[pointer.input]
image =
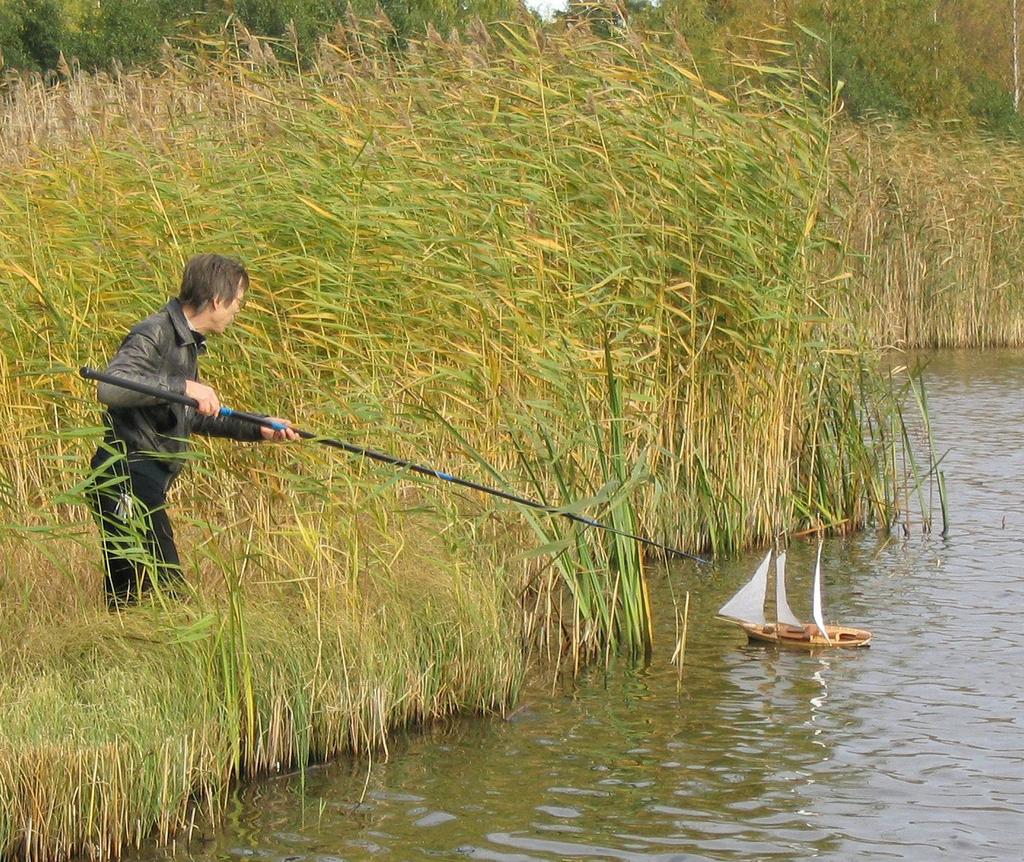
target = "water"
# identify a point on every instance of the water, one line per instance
(910, 749)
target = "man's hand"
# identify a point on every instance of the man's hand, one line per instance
(209, 403)
(287, 433)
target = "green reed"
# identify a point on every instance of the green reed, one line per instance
(424, 226)
(549, 261)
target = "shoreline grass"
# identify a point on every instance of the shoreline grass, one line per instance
(117, 727)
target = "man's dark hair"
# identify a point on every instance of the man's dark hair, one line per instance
(211, 276)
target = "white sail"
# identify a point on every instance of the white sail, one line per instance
(818, 618)
(748, 603)
(783, 613)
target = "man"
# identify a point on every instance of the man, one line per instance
(146, 441)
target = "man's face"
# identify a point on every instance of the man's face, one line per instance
(222, 314)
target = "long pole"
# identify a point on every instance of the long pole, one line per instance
(164, 395)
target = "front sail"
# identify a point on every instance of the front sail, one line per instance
(783, 613)
(819, 620)
(748, 604)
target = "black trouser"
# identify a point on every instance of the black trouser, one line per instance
(129, 498)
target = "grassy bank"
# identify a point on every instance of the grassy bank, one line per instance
(113, 726)
(552, 264)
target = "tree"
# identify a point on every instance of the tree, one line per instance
(896, 56)
(308, 19)
(32, 33)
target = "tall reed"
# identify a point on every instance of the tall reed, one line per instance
(930, 230)
(544, 260)
(425, 225)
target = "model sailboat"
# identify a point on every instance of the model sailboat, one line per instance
(747, 610)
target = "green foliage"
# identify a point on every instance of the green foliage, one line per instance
(898, 53)
(32, 33)
(863, 92)
(688, 17)
(603, 17)
(412, 18)
(12, 53)
(690, 24)
(306, 19)
(923, 59)
(686, 20)
(129, 31)
(992, 105)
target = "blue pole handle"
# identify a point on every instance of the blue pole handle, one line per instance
(266, 423)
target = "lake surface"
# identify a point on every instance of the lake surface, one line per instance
(910, 749)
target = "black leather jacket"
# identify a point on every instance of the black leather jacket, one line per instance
(161, 351)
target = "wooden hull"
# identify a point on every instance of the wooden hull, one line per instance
(807, 637)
